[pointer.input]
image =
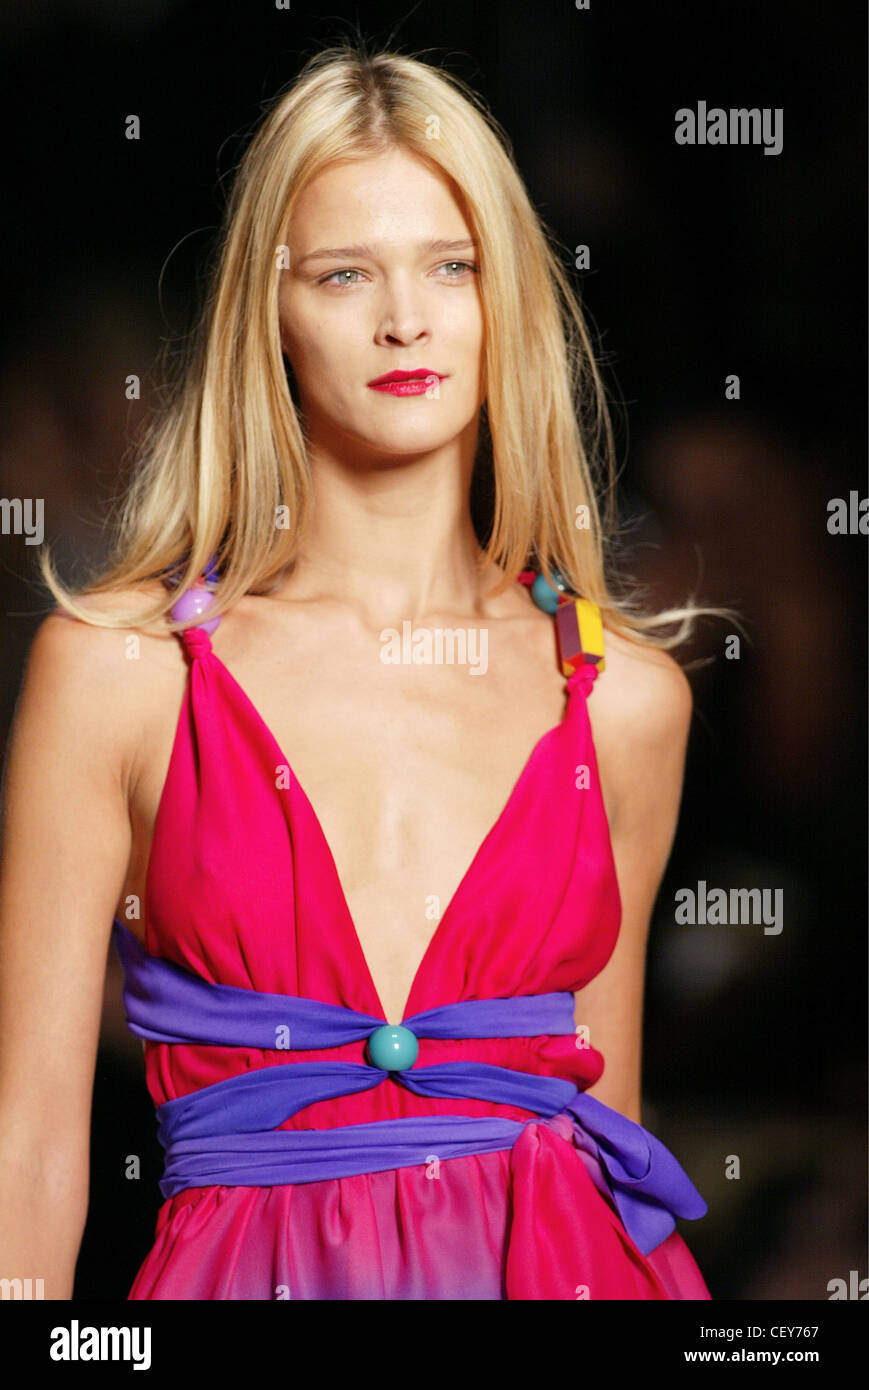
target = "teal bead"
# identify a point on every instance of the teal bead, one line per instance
(393, 1047)
(543, 593)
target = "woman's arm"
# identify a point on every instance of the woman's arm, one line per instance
(641, 732)
(66, 843)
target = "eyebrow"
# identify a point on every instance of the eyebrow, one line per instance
(347, 252)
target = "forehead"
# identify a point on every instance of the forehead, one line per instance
(387, 197)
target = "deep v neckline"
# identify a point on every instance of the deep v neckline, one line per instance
(449, 912)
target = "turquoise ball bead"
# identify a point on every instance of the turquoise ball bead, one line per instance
(393, 1047)
(544, 595)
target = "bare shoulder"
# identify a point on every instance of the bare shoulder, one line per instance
(96, 683)
(84, 655)
(640, 713)
(642, 691)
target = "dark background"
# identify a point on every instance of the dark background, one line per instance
(706, 261)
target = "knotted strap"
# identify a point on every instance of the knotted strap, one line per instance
(578, 622)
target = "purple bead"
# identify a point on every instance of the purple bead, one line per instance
(191, 604)
(172, 576)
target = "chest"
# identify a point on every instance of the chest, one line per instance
(407, 769)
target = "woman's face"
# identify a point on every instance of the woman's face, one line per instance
(368, 293)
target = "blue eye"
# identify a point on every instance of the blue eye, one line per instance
(467, 265)
(331, 278)
(327, 278)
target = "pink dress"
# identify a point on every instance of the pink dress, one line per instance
(242, 890)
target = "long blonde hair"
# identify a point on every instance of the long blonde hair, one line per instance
(228, 452)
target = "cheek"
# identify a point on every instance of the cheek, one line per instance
(305, 340)
(327, 360)
(298, 324)
(320, 333)
(464, 327)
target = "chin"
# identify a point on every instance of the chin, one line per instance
(398, 443)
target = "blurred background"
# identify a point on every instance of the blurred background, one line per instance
(705, 261)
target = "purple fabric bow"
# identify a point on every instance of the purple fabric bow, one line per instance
(226, 1133)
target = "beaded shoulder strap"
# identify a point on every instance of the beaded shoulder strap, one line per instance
(193, 604)
(578, 623)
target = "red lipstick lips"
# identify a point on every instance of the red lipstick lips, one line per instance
(413, 383)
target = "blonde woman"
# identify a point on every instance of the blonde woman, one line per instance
(321, 740)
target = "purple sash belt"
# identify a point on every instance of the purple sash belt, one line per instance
(226, 1133)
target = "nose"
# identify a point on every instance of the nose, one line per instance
(403, 317)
